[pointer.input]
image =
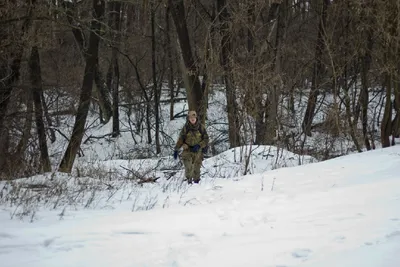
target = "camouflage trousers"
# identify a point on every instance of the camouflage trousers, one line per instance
(192, 162)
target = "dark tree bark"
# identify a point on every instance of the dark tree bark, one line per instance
(396, 121)
(155, 83)
(51, 133)
(387, 115)
(113, 76)
(102, 92)
(8, 75)
(276, 86)
(36, 81)
(191, 72)
(10, 64)
(364, 96)
(317, 70)
(169, 48)
(226, 53)
(391, 71)
(86, 90)
(103, 95)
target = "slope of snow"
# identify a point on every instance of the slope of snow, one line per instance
(342, 212)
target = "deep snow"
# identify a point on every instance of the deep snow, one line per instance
(342, 212)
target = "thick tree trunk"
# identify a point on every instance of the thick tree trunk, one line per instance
(191, 73)
(226, 52)
(36, 81)
(86, 90)
(316, 79)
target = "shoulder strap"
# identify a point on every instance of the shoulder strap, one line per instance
(186, 130)
(201, 130)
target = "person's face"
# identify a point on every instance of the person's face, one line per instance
(192, 120)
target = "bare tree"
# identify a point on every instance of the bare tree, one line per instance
(191, 72)
(67, 162)
(36, 80)
(317, 70)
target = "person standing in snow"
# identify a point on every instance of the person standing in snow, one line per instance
(193, 139)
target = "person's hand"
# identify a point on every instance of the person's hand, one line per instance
(175, 154)
(196, 148)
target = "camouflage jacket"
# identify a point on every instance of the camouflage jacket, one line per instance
(191, 135)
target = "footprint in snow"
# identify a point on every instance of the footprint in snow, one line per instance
(133, 233)
(301, 253)
(395, 234)
(188, 234)
(5, 235)
(340, 239)
(216, 187)
(49, 241)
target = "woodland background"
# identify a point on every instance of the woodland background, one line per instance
(290, 70)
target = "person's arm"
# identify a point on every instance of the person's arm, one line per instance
(181, 140)
(205, 140)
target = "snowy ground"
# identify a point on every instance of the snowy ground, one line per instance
(342, 212)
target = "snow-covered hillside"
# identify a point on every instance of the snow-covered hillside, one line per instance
(342, 212)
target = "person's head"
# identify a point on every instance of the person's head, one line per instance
(192, 117)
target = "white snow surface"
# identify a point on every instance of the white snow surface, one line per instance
(341, 212)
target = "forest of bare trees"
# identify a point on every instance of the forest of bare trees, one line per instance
(103, 55)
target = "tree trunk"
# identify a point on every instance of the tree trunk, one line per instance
(168, 46)
(102, 93)
(226, 52)
(364, 95)
(48, 119)
(155, 87)
(387, 115)
(36, 81)
(86, 90)
(114, 65)
(391, 71)
(9, 74)
(349, 116)
(396, 121)
(26, 133)
(274, 95)
(316, 79)
(148, 122)
(191, 73)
